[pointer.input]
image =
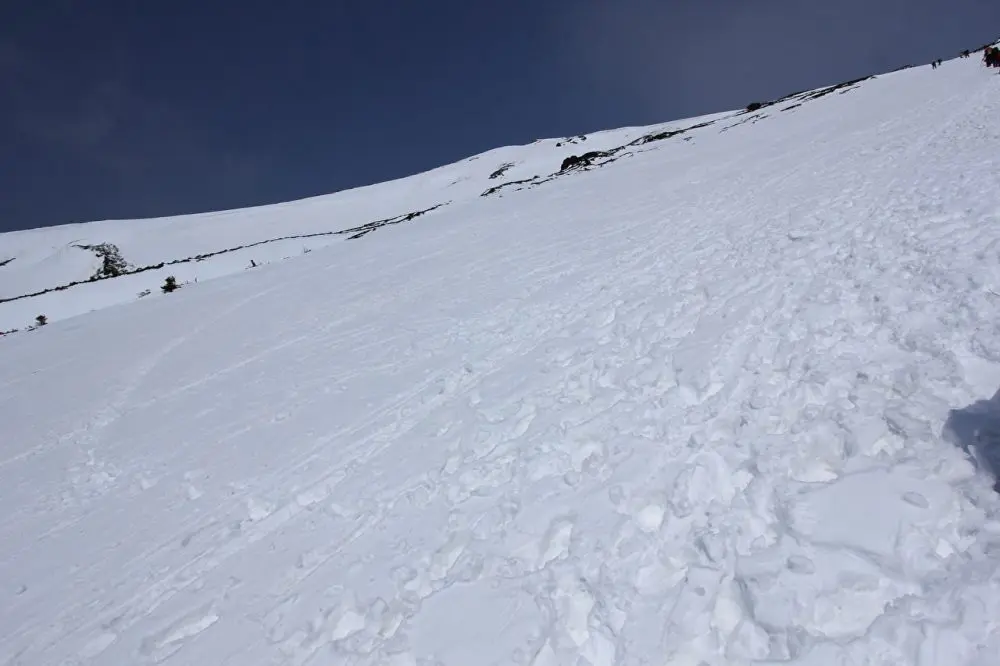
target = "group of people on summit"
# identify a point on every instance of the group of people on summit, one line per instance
(991, 56)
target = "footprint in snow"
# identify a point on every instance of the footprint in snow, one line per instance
(800, 564)
(162, 644)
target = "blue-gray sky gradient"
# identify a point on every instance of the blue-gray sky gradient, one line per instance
(121, 109)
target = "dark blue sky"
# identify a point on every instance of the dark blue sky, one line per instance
(112, 109)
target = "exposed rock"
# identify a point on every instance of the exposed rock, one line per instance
(585, 160)
(502, 170)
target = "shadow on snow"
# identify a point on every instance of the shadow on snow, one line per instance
(976, 430)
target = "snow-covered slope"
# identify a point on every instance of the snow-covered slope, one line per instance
(721, 401)
(48, 270)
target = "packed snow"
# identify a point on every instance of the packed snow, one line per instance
(726, 399)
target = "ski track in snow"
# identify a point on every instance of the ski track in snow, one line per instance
(695, 422)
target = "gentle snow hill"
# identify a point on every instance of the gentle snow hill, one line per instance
(726, 400)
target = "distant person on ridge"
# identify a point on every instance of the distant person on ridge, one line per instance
(990, 54)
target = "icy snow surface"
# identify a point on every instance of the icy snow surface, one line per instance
(726, 400)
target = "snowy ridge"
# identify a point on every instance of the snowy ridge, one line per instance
(726, 402)
(43, 265)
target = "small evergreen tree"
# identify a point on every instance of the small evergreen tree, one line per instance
(41, 320)
(169, 285)
(112, 262)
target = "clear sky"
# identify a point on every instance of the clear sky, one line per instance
(134, 108)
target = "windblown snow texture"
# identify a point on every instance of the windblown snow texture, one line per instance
(727, 399)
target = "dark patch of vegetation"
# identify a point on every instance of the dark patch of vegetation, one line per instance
(354, 232)
(596, 158)
(41, 320)
(170, 285)
(786, 98)
(572, 140)
(587, 159)
(112, 262)
(840, 87)
(805, 95)
(798, 98)
(502, 170)
(7, 261)
(659, 136)
(364, 229)
(497, 188)
(749, 119)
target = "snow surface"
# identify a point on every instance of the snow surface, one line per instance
(727, 400)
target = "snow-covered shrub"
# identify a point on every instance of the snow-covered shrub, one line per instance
(113, 264)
